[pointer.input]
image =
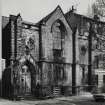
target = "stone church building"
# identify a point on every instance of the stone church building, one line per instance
(52, 57)
(95, 36)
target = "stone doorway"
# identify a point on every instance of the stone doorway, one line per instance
(25, 80)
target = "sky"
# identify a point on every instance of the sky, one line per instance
(34, 10)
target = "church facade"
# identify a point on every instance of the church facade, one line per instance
(50, 57)
(96, 44)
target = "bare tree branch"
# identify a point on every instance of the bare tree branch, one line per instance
(103, 2)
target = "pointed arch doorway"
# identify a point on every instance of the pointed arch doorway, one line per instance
(27, 79)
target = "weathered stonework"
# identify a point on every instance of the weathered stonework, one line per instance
(97, 48)
(53, 54)
(47, 50)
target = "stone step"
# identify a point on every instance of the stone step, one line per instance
(25, 97)
(56, 91)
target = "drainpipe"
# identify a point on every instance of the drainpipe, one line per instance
(40, 41)
(90, 56)
(40, 56)
(74, 62)
(40, 45)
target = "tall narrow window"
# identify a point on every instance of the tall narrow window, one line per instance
(56, 36)
(96, 79)
(59, 32)
(57, 53)
(96, 61)
(103, 79)
(104, 61)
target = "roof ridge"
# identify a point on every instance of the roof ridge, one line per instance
(48, 16)
(84, 16)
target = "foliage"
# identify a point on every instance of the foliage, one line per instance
(98, 8)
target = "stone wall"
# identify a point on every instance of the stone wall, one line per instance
(6, 39)
(97, 34)
(27, 36)
(47, 37)
(47, 48)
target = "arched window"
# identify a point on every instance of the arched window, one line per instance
(59, 32)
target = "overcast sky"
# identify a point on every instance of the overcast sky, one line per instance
(34, 10)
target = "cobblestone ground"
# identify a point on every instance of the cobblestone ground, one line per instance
(76, 100)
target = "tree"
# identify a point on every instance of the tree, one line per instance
(102, 2)
(98, 8)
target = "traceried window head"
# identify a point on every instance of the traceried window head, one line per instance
(59, 32)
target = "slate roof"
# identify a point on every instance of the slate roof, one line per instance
(45, 19)
(85, 17)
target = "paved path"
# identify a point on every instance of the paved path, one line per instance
(73, 100)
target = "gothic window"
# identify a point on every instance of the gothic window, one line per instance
(84, 75)
(57, 53)
(57, 37)
(104, 61)
(59, 73)
(99, 29)
(83, 50)
(59, 32)
(83, 72)
(96, 62)
(103, 79)
(103, 45)
(99, 61)
(96, 78)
